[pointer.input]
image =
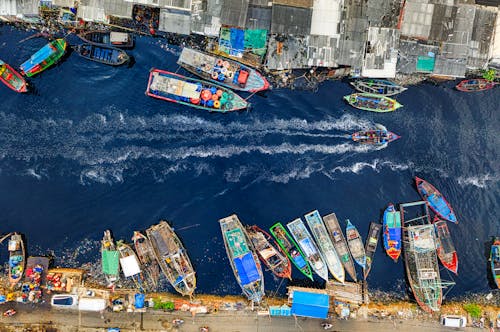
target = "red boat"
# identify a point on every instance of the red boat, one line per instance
(475, 84)
(12, 78)
(445, 248)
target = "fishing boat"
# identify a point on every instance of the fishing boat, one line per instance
(273, 258)
(325, 245)
(340, 244)
(445, 249)
(244, 261)
(12, 78)
(103, 54)
(378, 136)
(475, 84)
(147, 258)
(309, 248)
(130, 264)
(17, 259)
(172, 257)
(435, 200)
(291, 249)
(108, 38)
(371, 246)
(44, 57)
(377, 86)
(392, 232)
(372, 102)
(355, 244)
(193, 92)
(223, 71)
(110, 258)
(495, 261)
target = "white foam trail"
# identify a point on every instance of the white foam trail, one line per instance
(480, 181)
(376, 165)
(31, 172)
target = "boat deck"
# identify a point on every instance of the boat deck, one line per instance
(237, 243)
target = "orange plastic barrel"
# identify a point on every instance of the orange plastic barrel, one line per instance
(215, 97)
(195, 101)
(215, 75)
(206, 95)
(219, 92)
(219, 62)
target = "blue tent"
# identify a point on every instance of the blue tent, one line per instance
(247, 270)
(310, 304)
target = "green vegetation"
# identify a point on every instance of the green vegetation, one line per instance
(489, 74)
(159, 305)
(473, 310)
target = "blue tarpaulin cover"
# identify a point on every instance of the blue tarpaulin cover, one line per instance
(310, 304)
(139, 300)
(246, 269)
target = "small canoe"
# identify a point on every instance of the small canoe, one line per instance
(495, 261)
(12, 78)
(108, 38)
(223, 71)
(444, 245)
(291, 249)
(103, 54)
(475, 85)
(193, 92)
(44, 57)
(371, 246)
(392, 232)
(146, 255)
(435, 200)
(17, 259)
(378, 136)
(377, 86)
(130, 265)
(372, 102)
(355, 244)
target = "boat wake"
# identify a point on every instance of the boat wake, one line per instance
(480, 181)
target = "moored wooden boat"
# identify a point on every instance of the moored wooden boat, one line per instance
(392, 232)
(309, 248)
(244, 261)
(130, 264)
(371, 246)
(45, 57)
(193, 92)
(495, 261)
(355, 244)
(12, 78)
(475, 85)
(372, 102)
(108, 38)
(172, 258)
(110, 258)
(291, 249)
(340, 244)
(17, 258)
(147, 257)
(444, 245)
(107, 55)
(273, 258)
(377, 86)
(435, 200)
(378, 136)
(223, 71)
(325, 245)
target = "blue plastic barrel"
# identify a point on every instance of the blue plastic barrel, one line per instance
(213, 89)
(139, 300)
(210, 103)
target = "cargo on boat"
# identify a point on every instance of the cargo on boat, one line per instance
(108, 38)
(172, 257)
(435, 200)
(445, 249)
(291, 249)
(371, 246)
(340, 244)
(372, 102)
(107, 55)
(44, 57)
(355, 244)
(223, 71)
(392, 232)
(377, 86)
(244, 261)
(495, 261)
(147, 258)
(130, 265)
(325, 245)
(12, 78)
(475, 85)
(193, 92)
(378, 136)
(17, 258)
(110, 259)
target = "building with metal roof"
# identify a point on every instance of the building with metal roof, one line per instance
(416, 57)
(326, 17)
(259, 17)
(64, 3)
(321, 51)
(118, 8)
(483, 37)
(173, 4)
(234, 13)
(175, 21)
(291, 20)
(286, 52)
(383, 13)
(92, 11)
(19, 7)
(381, 53)
(205, 17)
(416, 19)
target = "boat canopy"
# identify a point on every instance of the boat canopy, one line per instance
(267, 253)
(314, 305)
(308, 247)
(130, 266)
(118, 37)
(175, 86)
(41, 55)
(197, 59)
(110, 260)
(247, 270)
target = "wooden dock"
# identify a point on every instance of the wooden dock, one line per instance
(348, 292)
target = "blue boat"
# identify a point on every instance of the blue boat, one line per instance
(355, 244)
(392, 232)
(103, 54)
(435, 200)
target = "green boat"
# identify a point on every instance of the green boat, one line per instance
(372, 102)
(44, 57)
(291, 249)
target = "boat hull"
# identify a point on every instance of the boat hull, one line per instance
(392, 232)
(475, 85)
(47, 56)
(377, 86)
(374, 137)
(110, 56)
(495, 261)
(371, 246)
(355, 244)
(108, 38)
(445, 249)
(372, 102)
(12, 78)
(435, 200)
(146, 256)
(17, 259)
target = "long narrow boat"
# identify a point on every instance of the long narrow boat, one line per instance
(372, 102)
(110, 259)
(392, 232)
(108, 38)
(435, 200)
(147, 257)
(130, 264)
(244, 261)
(193, 92)
(12, 78)
(495, 261)
(309, 248)
(44, 57)
(377, 86)
(378, 136)
(340, 244)
(17, 258)
(103, 54)
(445, 249)
(355, 244)
(172, 257)
(223, 71)
(291, 249)
(371, 246)
(475, 85)
(325, 245)
(273, 258)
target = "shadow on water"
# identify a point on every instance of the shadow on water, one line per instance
(131, 62)
(486, 254)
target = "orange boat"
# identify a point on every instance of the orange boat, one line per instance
(12, 78)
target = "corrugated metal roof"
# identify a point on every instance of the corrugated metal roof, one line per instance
(483, 32)
(205, 17)
(118, 8)
(409, 51)
(64, 3)
(27, 7)
(381, 55)
(294, 3)
(291, 20)
(8, 7)
(91, 14)
(286, 52)
(326, 17)
(175, 21)
(174, 4)
(450, 67)
(417, 19)
(321, 51)
(261, 3)
(258, 18)
(234, 13)
(383, 13)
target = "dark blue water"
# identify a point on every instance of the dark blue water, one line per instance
(88, 151)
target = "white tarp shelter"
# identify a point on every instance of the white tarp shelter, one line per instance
(130, 266)
(326, 17)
